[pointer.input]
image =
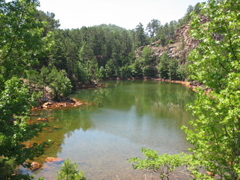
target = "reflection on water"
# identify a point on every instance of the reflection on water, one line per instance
(120, 120)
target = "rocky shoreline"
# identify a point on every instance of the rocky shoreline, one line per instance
(49, 103)
(193, 85)
(45, 103)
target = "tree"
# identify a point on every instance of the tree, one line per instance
(87, 64)
(173, 25)
(21, 44)
(140, 36)
(59, 82)
(136, 69)
(173, 69)
(197, 8)
(48, 18)
(216, 63)
(21, 38)
(163, 66)
(55, 79)
(152, 28)
(147, 56)
(189, 10)
(147, 62)
(15, 102)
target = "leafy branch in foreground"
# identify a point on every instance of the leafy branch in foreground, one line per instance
(69, 171)
(216, 63)
(21, 44)
(163, 164)
(15, 102)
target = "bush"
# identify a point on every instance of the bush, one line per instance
(56, 80)
(69, 171)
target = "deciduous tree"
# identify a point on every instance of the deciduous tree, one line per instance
(216, 63)
(21, 38)
(21, 44)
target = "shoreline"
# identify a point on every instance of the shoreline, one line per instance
(64, 103)
(193, 85)
(48, 103)
(188, 84)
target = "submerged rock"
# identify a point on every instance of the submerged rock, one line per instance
(52, 159)
(35, 166)
(43, 119)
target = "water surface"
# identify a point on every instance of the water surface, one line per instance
(116, 123)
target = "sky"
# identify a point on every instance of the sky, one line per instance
(124, 13)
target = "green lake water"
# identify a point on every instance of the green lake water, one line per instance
(113, 126)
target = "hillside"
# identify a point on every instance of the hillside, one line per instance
(181, 45)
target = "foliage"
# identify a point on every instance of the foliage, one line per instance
(173, 69)
(147, 62)
(152, 28)
(147, 56)
(182, 71)
(149, 71)
(87, 66)
(136, 69)
(163, 66)
(7, 166)
(22, 42)
(140, 37)
(221, 37)
(169, 68)
(104, 51)
(69, 171)
(92, 53)
(101, 73)
(58, 81)
(15, 102)
(187, 16)
(48, 19)
(163, 164)
(126, 72)
(21, 38)
(55, 79)
(216, 63)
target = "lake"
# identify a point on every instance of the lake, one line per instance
(113, 126)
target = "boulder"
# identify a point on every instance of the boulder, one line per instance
(35, 166)
(52, 159)
(43, 119)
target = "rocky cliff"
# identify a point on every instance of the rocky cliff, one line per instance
(181, 45)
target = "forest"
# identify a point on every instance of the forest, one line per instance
(35, 53)
(91, 54)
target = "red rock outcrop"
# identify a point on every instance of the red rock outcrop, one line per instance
(179, 49)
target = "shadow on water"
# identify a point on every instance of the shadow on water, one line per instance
(117, 122)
